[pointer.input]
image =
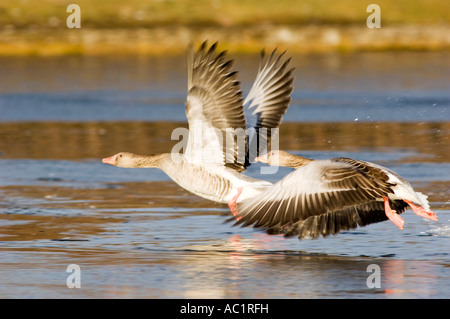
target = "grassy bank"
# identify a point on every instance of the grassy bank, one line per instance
(194, 13)
(175, 40)
(30, 27)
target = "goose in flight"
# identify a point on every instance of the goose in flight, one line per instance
(323, 197)
(210, 166)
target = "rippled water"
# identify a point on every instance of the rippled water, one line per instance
(136, 234)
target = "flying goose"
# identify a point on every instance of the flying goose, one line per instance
(323, 197)
(210, 167)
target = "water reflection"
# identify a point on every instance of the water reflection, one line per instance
(75, 141)
(403, 279)
(364, 71)
(138, 235)
(219, 274)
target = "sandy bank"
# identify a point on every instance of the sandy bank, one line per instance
(174, 39)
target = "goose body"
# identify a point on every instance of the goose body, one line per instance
(213, 182)
(210, 167)
(323, 197)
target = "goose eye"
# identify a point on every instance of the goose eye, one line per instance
(120, 155)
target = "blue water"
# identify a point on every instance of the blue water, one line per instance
(135, 234)
(307, 107)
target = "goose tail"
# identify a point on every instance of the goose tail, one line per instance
(423, 201)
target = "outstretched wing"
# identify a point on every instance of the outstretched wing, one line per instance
(331, 223)
(313, 191)
(267, 102)
(214, 111)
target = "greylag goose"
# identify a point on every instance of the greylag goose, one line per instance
(215, 110)
(323, 197)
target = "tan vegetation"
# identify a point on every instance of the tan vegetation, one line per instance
(166, 26)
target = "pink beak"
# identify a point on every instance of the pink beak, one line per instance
(110, 160)
(262, 159)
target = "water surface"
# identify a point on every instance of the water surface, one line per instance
(136, 234)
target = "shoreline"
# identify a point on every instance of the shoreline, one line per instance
(175, 39)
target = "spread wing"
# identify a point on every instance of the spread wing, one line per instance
(332, 223)
(214, 111)
(267, 102)
(320, 192)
